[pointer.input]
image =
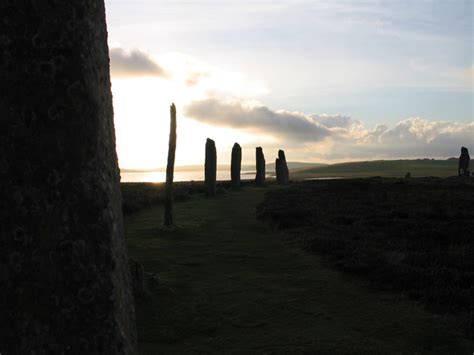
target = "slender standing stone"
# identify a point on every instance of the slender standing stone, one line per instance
(210, 167)
(260, 165)
(168, 218)
(277, 170)
(464, 159)
(64, 275)
(235, 165)
(283, 175)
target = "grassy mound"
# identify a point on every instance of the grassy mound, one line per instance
(384, 168)
(414, 235)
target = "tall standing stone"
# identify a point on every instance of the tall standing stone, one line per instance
(282, 173)
(277, 170)
(210, 167)
(464, 162)
(168, 218)
(260, 165)
(64, 273)
(235, 165)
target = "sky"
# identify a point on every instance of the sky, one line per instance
(327, 81)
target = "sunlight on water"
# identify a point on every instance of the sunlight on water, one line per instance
(155, 176)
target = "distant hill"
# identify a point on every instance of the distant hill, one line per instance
(385, 168)
(221, 167)
(296, 165)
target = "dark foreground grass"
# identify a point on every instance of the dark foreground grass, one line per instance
(414, 235)
(229, 284)
(138, 196)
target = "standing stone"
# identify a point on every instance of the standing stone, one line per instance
(64, 275)
(277, 170)
(168, 218)
(464, 162)
(281, 168)
(210, 168)
(260, 165)
(235, 165)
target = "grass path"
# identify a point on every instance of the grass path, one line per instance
(229, 284)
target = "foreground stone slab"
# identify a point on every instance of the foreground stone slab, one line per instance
(64, 273)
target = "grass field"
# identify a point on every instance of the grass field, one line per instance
(384, 168)
(414, 235)
(227, 283)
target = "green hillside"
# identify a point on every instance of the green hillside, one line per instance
(296, 165)
(385, 168)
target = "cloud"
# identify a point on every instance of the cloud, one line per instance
(133, 63)
(417, 136)
(337, 136)
(195, 77)
(333, 121)
(413, 137)
(284, 124)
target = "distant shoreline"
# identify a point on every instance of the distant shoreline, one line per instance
(222, 167)
(382, 168)
(291, 165)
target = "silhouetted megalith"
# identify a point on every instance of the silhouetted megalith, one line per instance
(64, 273)
(168, 217)
(277, 169)
(235, 165)
(260, 166)
(464, 162)
(210, 167)
(281, 168)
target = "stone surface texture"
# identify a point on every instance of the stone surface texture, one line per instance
(64, 273)
(210, 167)
(235, 166)
(260, 166)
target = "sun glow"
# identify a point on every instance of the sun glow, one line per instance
(141, 106)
